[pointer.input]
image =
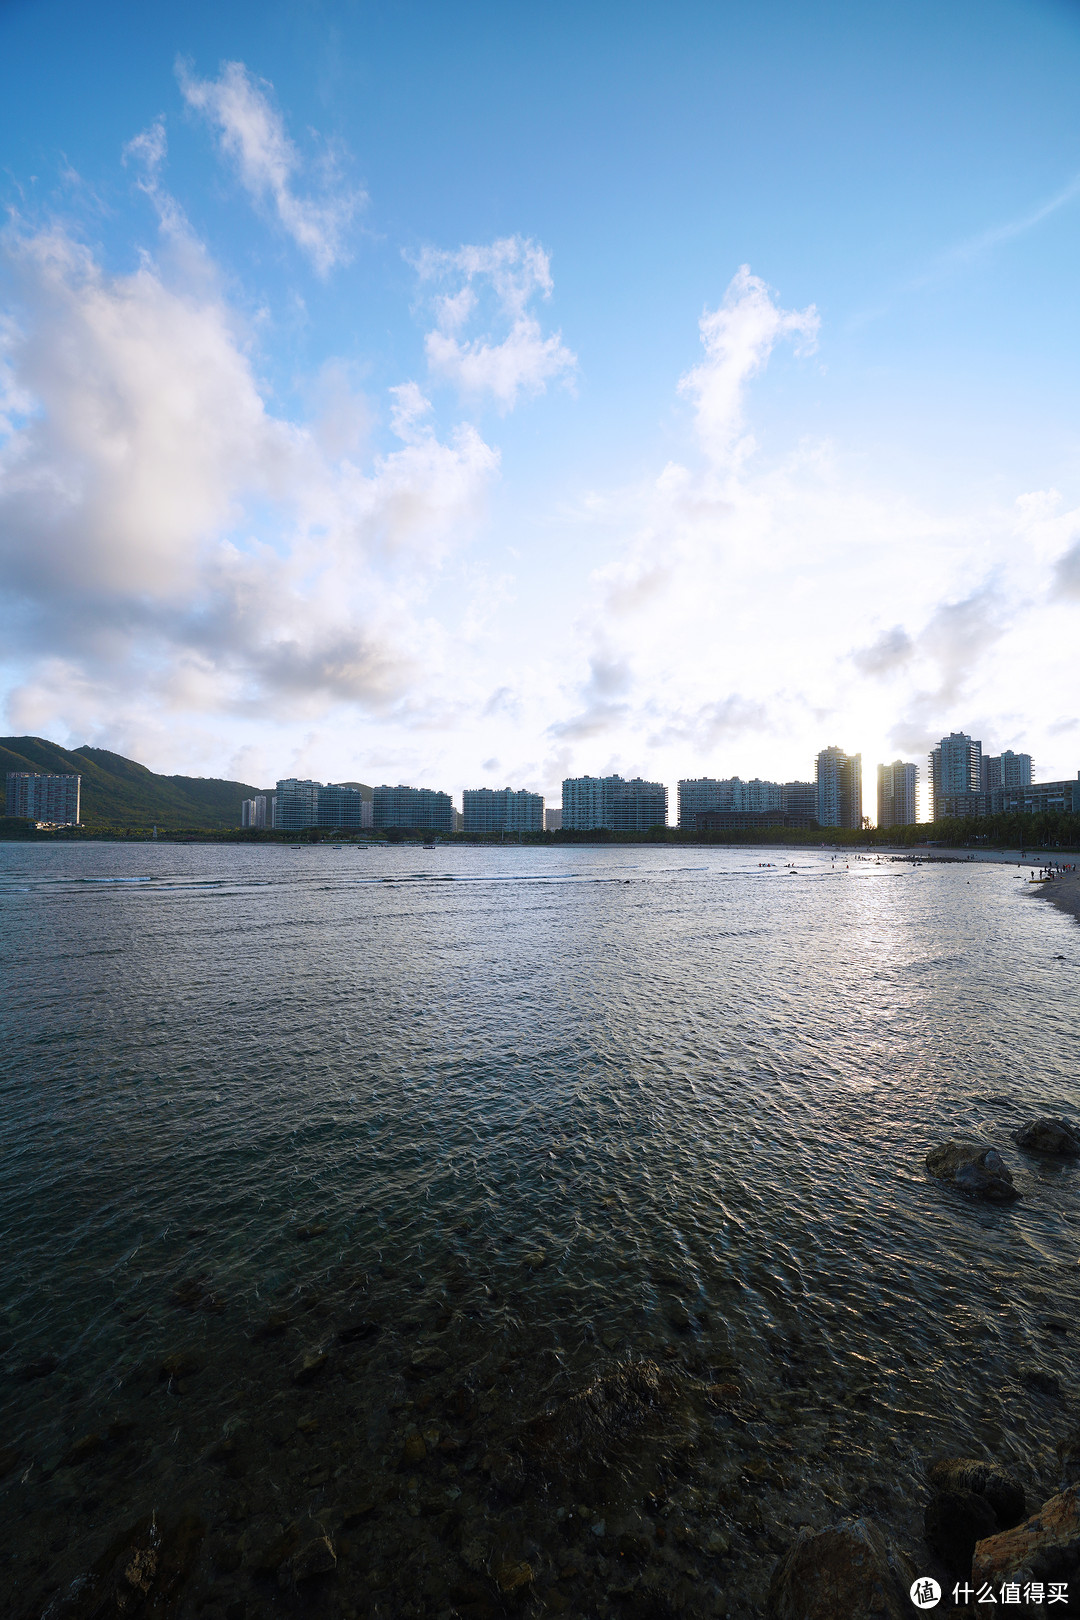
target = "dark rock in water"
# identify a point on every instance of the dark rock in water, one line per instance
(197, 1294)
(1045, 1548)
(1049, 1135)
(276, 1324)
(181, 1364)
(356, 1511)
(267, 1560)
(578, 1434)
(1004, 1493)
(954, 1521)
(357, 1331)
(979, 1171)
(1068, 1451)
(850, 1571)
(1039, 1379)
(425, 1363)
(40, 1367)
(316, 1557)
(142, 1573)
(513, 1577)
(81, 1450)
(310, 1367)
(414, 1449)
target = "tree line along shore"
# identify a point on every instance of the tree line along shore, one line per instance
(1052, 831)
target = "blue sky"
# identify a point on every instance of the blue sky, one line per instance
(477, 394)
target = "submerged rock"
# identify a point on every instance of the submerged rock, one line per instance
(1038, 1378)
(315, 1557)
(427, 1362)
(513, 1577)
(954, 1521)
(181, 1364)
(578, 1434)
(1045, 1548)
(979, 1171)
(143, 1572)
(358, 1331)
(81, 1450)
(1049, 1135)
(1004, 1493)
(851, 1571)
(40, 1367)
(310, 1367)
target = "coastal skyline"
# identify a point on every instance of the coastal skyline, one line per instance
(416, 402)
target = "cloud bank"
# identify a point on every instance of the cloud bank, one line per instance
(198, 574)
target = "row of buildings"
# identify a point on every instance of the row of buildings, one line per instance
(961, 781)
(297, 805)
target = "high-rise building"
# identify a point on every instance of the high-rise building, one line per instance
(296, 804)
(422, 809)
(1005, 770)
(42, 797)
(956, 772)
(839, 788)
(553, 818)
(257, 812)
(799, 803)
(341, 805)
(897, 794)
(499, 810)
(590, 803)
(704, 794)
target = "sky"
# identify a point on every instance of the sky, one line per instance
(477, 395)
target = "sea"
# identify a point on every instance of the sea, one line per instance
(467, 1231)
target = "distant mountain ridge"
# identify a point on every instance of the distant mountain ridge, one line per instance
(118, 792)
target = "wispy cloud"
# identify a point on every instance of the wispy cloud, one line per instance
(252, 135)
(513, 272)
(974, 247)
(956, 258)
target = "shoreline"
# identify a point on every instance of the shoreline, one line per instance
(1063, 892)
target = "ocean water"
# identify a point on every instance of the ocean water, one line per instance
(487, 1128)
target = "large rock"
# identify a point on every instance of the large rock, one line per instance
(954, 1521)
(979, 1171)
(850, 1571)
(1045, 1548)
(1049, 1135)
(1004, 1493)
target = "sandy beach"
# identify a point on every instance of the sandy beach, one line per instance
(1063, 892)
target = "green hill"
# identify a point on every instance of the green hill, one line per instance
(117, 792)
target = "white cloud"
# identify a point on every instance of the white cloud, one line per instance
(738, 339)
(512, 272)
(760, 609)
(252, 135)
(139, 463)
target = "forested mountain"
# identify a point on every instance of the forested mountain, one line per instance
(118, 792)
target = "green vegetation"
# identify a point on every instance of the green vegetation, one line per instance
(119, 794)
